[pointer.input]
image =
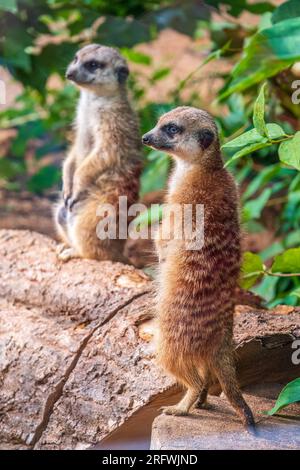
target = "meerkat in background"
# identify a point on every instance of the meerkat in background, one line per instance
(104, 161)
(195, 300)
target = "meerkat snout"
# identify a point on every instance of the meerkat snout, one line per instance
(187, 133)
(98, 68)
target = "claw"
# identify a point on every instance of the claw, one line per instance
(66, 201)
(71, 202)
(76, 198)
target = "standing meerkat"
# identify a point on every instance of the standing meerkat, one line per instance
(104, 161)
(196, 288)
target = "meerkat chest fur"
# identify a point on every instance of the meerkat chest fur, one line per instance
(196, 287)
(88, 122)
(108, 126)
(178, 176)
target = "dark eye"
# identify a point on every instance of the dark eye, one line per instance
(75, 59)
(94, 65)
(172, 129)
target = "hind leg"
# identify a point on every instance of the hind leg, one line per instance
(202, 397)
(86, 239)
(224, 368)
(183, 407)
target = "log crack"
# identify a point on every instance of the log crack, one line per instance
(55, 395)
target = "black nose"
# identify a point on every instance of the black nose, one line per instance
(146, 139)
(70, 75)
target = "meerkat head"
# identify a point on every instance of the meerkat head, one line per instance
(98, 68)
(187, 133)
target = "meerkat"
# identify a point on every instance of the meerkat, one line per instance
(104, 161)
(195, 292)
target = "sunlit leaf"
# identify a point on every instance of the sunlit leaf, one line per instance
(287, 262)
(246, 150)
(150, 216)
(247, 138)
(259, 113)
(252, 268)
(136, 56)
(289, 151)
(289, 394)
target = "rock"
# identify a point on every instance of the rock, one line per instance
(220, 429)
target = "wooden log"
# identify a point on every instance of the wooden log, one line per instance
(77, 349)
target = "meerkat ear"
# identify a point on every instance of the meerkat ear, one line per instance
(205, 138)
(122, 73)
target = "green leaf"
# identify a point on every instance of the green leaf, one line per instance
(9, 169)
(150, 216)
(287, 262)
(135, 56)
(247, 138)
(287, 10)
(252, 209)
(9, 5)
(275, 131)
(160, 74)
(252, 268)
(267, 52)
(259, 113)
(289, 394)
(296, 293)
(289, 151)
(263, 177)
(267, 288)
(246, 151)
(16, 41)
(155, 174)
(46, 177)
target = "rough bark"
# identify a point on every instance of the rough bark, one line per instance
(77, 349)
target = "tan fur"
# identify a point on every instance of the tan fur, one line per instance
(104, 161)
(195, 300)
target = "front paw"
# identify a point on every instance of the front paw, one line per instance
(174, 410)
(76, 197)
(66, 199)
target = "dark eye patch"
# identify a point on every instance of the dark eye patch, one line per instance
(205, 138)
(172, 129)
(93, 65)
(122, 73)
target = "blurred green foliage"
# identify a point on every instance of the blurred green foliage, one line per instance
(259, 130)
